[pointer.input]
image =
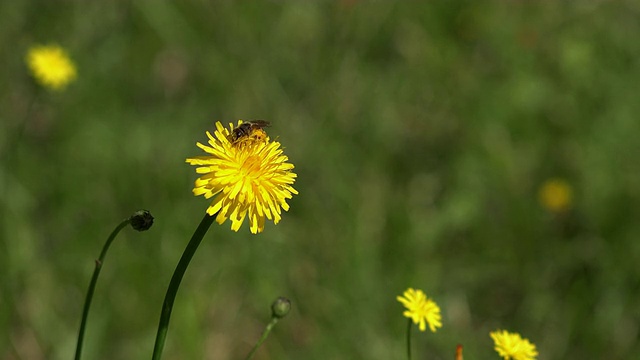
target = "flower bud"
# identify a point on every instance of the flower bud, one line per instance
(280, 308)
(459, 352)
(141, 220)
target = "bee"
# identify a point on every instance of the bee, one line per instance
(249, 130)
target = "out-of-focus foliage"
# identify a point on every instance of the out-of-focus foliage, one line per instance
(421, 134)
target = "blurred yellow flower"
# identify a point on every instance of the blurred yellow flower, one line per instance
(512, 346)
(421, 309)
(249, 177)
(51, 66)
(555, 195)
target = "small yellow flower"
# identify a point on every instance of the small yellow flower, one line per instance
(51, 66)
(250, 177)
(555, 195)
(512, 346)
(421, 309)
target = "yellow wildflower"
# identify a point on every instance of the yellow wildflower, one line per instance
(249, 177)
(51, 66)
(421, 309)
(555, 195)
(512, 346)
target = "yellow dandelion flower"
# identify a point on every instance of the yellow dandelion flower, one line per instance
(249, 177)
(512, 346)
(421, 309)
(51, 66)
(555, 195)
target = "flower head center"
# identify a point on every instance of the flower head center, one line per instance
(252, 167)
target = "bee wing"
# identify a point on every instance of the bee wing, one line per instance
(261, 123)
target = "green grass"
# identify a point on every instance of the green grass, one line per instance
(420, 133)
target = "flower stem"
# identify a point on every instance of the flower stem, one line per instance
(172, 290)
(265, 334)
(92, 285)
(409, 339)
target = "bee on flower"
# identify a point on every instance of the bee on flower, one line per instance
(246, 174)
(249, 131)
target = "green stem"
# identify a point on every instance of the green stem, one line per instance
(172, 290)
(409, 339)
(92, 285)
(265, 334)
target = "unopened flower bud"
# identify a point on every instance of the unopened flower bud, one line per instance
(459, 352)
(141, 220)
(280, 308)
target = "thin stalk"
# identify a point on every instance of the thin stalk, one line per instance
(92, 285)
(265, 334)
(409, 339)
(172, 290)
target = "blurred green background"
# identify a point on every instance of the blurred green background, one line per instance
(421, 134)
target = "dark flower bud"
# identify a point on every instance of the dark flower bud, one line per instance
(280, 308)
(141, 220)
